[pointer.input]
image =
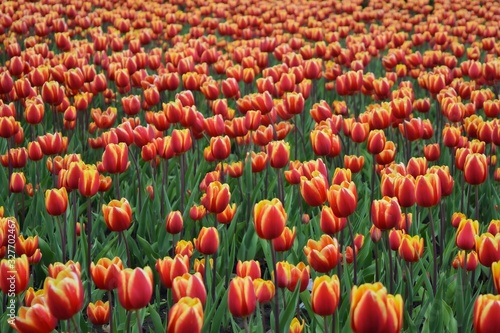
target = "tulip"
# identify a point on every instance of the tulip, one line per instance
(428, 190)
(184, 248)
(188, 285)
(117, 215)
(207, 242)
(57, 267)
(170, 268)
(411, 248)
(285, 241)
(241, 297)
(227, 215)
(248, 268)
(385, 213)
(220, 147)
(115, 158)
(472, 260)
(296, 326)
(186, 316)
(17, 182)
(376, 142)
(106, 273)
(269, 218)
(88, 183)
(485, 315)
(174, 222)
(314, 190)
(354, 163)
(466, 233)
(488, 248)
(329, 223)
(135, 288)
(264, 290)
(373, 310)
(98, 312)
(64, 294)
(475, 169)
(35, 318)
(279, 154)
(322, 255)
(325, 295)
(14, 274)
(343, 198)
(217, 197)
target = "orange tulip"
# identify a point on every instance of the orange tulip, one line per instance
(64, 294)
(354, 163)
(207, 242)
(17, 182)
(385, 213)
(88, 183)
(488, 248)
(285, 241)
(475, 169)
(428, 190)
(322, 255)
(325, 295)
(220, 147)
(186, 316)
(115, 158)
(174, 222)
(466, 233)
(106, 273)
(373, 310)
(241, 297)
(248, 268)
(314, 190)
(472, 260)
(98, 312)
(188, 285)
(269, 218)
(411, 248)
(343, 198)
(376, 141)
(485, 315)
(35, 318)
(264, 290)
(217, 197)
(14, 275)
(135, 288)
(170, 268)
(117, 215)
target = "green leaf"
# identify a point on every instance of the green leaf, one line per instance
(155, 318)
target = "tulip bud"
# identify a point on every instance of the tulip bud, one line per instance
(241, 297)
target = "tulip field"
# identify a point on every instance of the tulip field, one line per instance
(249, 166)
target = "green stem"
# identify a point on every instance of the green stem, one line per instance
(127, 249)
(434, 251)
(129, 318)
(276, 295)
(391, 273)
(77, 328)
(89, 244)
(354, 261)
(139, 324)
(110, 299)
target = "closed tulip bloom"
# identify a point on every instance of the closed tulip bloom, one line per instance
(135, 288)
(56, 201)
(411, 248)
(174, 222)
(269, 218)
(325, 295)
(493, 227)
(445, 177)
(329, 223)
(322, 255)
(8, 127)
(385, 213)
(428, 190)
(106, 273)
(485, 315)
(314, 190)
(64, 294)
(241, 297)
(248, 268)
(404, 190)
(373, 310)
(395, 237)
(117, 215)
(115, 158)
(321, 141)
(296, 326)
(432, 152)
(279, 154)
(98, 312)
(186, 316)
(466, 233)
(17, 182)
(14, 272)
(207, 242)
(227, 215)
(264, 290)
(285, 241)
(35, 318)
(495, 272)
(220, 147)
(472, 260)
(343, 198)
(475, 169)
(217, 197)
(190, 285)
(376, 142)
(488, 248)
(57, 267)
(88, 184)
(170, 268)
